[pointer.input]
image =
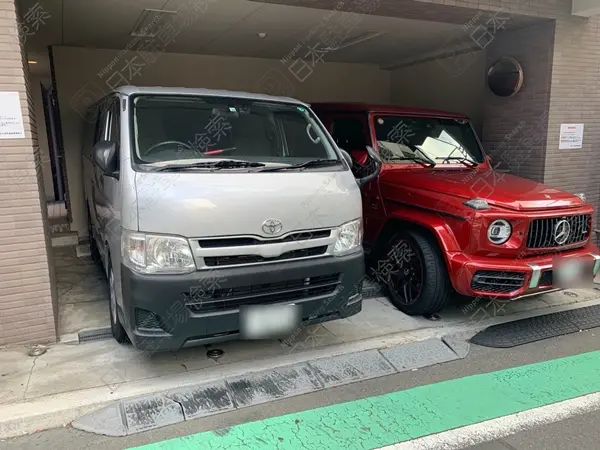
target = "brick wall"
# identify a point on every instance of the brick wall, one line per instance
(575, 98)
(515, 128)
(26, 279)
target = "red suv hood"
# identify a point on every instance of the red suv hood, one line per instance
(499, 189)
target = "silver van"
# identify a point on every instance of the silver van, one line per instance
(219, 215)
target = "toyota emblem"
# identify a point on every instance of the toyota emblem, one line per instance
(562, 231)
(272, 226)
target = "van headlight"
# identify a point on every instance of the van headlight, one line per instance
(148, 253)
(499, 231)
(349, 238)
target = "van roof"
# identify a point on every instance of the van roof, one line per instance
(130, 90)
(366, 107)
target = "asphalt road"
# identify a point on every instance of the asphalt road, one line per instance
(579, 432)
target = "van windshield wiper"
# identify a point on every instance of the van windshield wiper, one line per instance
(304, 165)
(466, 161)
(213, 165)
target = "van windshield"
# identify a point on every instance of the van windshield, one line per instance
(402, 140)
(178, 128)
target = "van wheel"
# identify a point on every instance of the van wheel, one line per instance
(417, 280)
(117, 329)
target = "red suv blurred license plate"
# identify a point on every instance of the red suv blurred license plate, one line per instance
(269, 321)
(572, 272)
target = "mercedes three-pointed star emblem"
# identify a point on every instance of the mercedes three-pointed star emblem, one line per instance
(562, 231)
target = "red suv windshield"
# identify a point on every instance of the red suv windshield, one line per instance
(402, 140)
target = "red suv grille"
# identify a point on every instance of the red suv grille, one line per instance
(543, 232)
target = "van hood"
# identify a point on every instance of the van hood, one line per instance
(199, 204)
(499, 189)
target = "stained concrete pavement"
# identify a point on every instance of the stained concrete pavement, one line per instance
(581, 432)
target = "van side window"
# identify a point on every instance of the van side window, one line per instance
(113, 132)
(89, 132)
(101, 123)
(349, 133)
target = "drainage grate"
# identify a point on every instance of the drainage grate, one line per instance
(525, 331)
(95, 335)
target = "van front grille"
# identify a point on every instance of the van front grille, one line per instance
(259, 294)
(245, 241)
(216, 261)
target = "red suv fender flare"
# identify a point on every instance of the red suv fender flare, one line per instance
(433, 222)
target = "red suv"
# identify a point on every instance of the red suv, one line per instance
(440, 219)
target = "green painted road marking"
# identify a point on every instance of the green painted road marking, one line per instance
(400, 416)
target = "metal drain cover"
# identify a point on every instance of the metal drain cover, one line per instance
(525, 331)
(95, 335)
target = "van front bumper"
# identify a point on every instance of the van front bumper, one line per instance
(168, 312)
(510, 279)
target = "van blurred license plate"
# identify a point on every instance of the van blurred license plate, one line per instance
(268, 321)
(571, 272)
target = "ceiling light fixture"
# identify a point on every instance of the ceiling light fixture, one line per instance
(262, 35)
(31, 61)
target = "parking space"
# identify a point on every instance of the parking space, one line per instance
(410, 53)
(339, 52)
(83, 306)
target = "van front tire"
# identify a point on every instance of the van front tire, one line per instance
(417, 279)
(116, 328)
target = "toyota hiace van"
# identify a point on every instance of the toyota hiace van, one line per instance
(219, 215)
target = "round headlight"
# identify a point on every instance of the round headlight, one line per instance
(499, 231)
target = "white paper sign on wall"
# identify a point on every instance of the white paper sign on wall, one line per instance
(11, 119)
(571, 135)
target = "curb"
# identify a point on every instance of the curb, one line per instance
(146, 413)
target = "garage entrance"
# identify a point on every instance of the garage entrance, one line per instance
(408, 53)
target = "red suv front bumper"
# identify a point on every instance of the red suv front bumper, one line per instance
(512, 278)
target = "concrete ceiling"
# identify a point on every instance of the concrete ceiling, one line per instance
(228, 27)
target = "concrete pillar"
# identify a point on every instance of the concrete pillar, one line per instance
(27, 294)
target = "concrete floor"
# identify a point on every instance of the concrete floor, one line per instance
(82, 292)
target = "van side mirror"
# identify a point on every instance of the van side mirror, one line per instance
(347, 157)
(105, 156)
(374, 163)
